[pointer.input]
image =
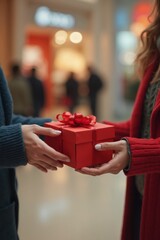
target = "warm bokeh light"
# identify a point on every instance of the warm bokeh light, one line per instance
(33, 56)
(140, 15)
(141, 9)
(76, 37)
(69, 59)
(137, 28)
(127, 58)
(60, 37)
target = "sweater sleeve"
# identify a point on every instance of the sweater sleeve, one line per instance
(145, 156)
(12, 149)
(122, 129)
(29, 120)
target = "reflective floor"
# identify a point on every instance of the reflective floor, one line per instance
(66, 205)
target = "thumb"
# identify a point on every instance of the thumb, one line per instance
(45, 131)
(110, 145)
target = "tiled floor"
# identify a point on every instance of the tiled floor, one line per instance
(66, 205)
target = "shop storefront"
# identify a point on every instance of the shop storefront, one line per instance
(56, 43)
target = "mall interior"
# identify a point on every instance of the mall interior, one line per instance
(65, 36)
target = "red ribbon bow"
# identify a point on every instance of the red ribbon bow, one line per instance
(76, 119)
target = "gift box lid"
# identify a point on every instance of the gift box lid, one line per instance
(79, 135)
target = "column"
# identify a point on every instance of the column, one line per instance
(19, 26)
(6, 33)
(104, 47)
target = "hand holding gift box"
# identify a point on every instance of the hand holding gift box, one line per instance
(79, 136)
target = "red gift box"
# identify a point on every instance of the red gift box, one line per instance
(78, 143)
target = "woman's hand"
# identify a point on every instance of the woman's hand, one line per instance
(39, 154)
(119, 161)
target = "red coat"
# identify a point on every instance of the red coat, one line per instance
(145, 160)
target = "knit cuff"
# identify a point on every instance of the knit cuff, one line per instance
(145, 156)
(11, 146)
(126, 169)
(29, 120)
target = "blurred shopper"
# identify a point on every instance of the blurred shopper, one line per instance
(95, 84)
(20, 144)
(137, 145)
(37, 91)
(72, 91)
(20, 91)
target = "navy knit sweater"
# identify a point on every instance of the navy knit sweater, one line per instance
(12, 154)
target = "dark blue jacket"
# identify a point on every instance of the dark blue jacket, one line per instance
(12, 154)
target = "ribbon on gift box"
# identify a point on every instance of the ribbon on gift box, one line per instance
(76, 119)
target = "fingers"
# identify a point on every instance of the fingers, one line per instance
(97, 170)
(49, 163)
(113, 166)
(45, 131)
(44, 167)
(49, 166)
(87, 172)
(110, 145)
(48, 150)
(40, 168)
(46, 160)
(53, 154)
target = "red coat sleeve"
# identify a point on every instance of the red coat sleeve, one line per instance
(145, 156)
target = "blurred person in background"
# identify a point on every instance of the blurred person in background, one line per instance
(72, 91)
(20, 144)
(137, 145)
(37, 91)
(95, 84)
(20, 91)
